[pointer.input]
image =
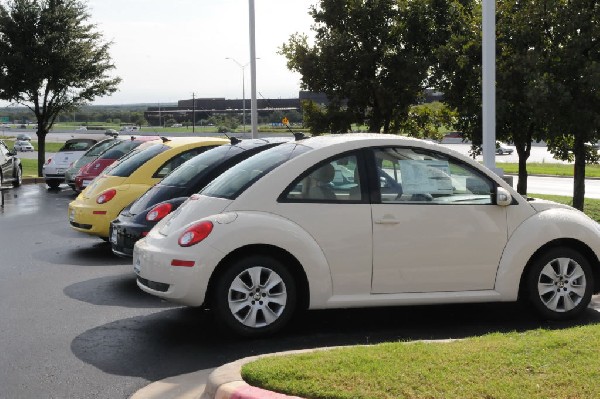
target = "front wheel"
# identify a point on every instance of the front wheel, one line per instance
(560, 284)
(255, 296)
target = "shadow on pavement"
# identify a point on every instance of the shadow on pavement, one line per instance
(119, 290)
(97, 253)
(184, 340)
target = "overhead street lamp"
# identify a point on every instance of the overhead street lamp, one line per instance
(243, 68)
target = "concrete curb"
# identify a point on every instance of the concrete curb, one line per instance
(226, 381)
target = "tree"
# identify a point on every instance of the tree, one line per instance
(51, 60)
(371, 57)
(571, 86)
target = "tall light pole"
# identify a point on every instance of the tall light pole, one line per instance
(488, 85)
(253, 104)
(243, 68)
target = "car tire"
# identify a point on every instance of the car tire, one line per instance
(560, 284)
(255, 296)
(19, 177)
(53, 184)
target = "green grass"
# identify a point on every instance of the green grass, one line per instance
(591, 206)
(554, 169)
(538, 364)
(29, 167)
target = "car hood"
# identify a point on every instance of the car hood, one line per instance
(195, 208)
(541, 205)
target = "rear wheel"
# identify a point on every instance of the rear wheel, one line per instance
(255, 296)
(560, 284)
(53, 183)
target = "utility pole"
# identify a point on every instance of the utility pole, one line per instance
(253, 106)
(193, 112)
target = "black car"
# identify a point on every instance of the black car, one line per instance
(137, 219)
(11, 170)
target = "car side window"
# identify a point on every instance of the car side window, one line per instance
(336, 180)
(411, 175)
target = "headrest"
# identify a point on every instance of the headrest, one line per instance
(324, 174)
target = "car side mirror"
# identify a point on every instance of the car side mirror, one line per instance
(503, 197)
(12, 153)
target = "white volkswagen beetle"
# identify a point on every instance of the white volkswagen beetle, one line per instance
(362, 220)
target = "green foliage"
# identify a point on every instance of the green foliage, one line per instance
(428, 121)
(320, 119)
(371, 57)
(52, 60)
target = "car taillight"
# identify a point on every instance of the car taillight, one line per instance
(106, 196)
(195, 233)
(159, 212)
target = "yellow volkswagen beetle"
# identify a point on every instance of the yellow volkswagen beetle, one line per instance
(93, 210)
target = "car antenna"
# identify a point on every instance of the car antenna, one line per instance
(297, 135)
(164, 139)
(233, 140)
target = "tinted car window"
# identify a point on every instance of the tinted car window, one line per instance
(235, 180)
(194, 167)
(77, 145)
(178, 160)
(120, 149)
(101, 147)
(132, 163)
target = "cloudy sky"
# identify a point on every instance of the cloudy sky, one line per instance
(166, 50)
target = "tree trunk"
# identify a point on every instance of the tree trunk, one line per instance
(579, 173)
(41, 133)
(524, 151)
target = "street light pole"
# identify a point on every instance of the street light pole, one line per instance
(243, 68)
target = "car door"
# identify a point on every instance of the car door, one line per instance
(435, 225)
(330, 202)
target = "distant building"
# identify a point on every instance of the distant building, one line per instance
(204, 108)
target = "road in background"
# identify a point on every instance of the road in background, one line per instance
(536, 184)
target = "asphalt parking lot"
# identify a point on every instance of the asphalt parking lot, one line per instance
(75, 325)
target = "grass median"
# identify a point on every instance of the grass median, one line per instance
(537, 364)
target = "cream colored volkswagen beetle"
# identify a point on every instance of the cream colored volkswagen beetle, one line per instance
(364, 220)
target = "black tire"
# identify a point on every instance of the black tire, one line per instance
(53, 184)
(265, 313)
(560, 284)
(19, 177)
(1, 179)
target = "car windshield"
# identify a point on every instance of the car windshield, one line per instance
(238, 178)
(199, 164)
(127, 166)
(120, 149)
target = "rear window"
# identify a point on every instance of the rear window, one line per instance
(237, 179)
(101, 147)
(120, 149)
(78, 145)
(203, 162)
(127, 166)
